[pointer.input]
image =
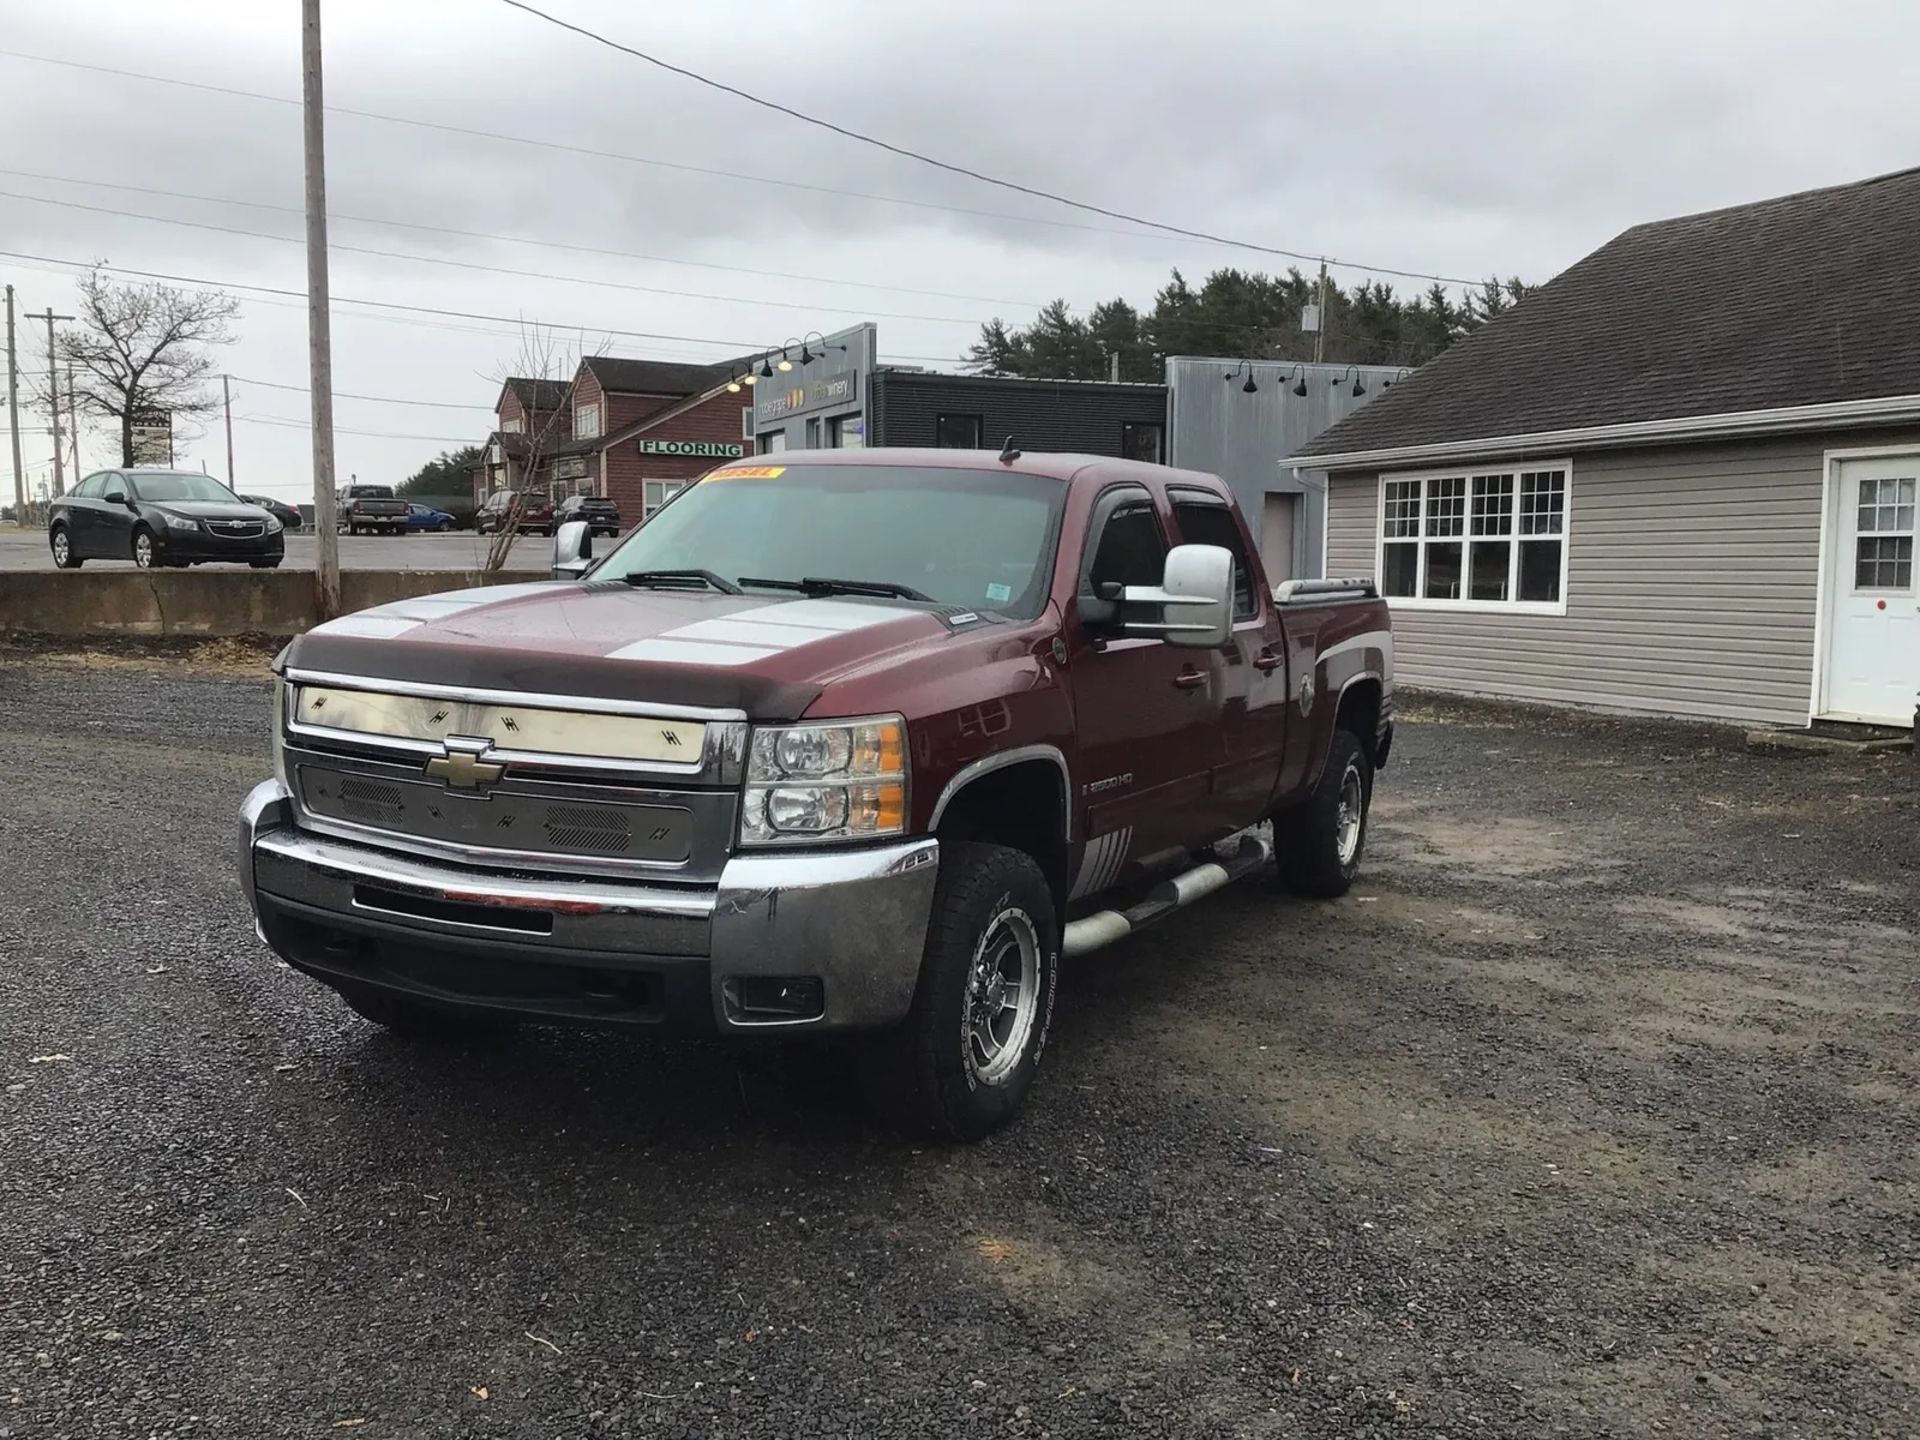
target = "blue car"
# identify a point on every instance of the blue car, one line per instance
(425, 517)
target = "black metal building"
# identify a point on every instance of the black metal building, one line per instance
(977, 412)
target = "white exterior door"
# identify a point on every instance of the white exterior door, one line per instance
(1872, 669)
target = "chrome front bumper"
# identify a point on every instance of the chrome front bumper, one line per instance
(855, 919)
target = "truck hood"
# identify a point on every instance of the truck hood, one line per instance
(769, 656)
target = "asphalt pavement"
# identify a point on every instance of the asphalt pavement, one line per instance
(1592, 1111)
(456, 550)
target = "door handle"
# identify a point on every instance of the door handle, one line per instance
(1190, 679)
(1266, 660)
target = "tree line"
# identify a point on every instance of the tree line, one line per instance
(1243, 315)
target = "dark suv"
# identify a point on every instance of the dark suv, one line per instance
(535, 513)
(157, 518)
(600, 513)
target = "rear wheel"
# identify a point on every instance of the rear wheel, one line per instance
(962, 1062)
(62, 544)
(1318, 843)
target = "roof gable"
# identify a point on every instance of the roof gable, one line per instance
(1808, 299)
(619, 376)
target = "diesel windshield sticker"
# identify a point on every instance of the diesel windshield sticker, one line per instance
(748, 472)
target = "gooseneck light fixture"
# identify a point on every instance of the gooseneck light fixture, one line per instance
(1359, 386)
(1247, 365)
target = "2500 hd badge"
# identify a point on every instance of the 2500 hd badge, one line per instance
(732, 776)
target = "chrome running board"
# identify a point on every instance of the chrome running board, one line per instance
(1249, 851)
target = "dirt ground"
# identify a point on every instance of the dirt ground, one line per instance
(1592, 1111)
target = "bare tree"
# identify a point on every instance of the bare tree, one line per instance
(145, 348)
(542, 356)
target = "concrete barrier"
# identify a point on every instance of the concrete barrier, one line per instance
(207, 602)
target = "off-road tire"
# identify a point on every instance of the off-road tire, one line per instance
(925, 1076)
(69, 561)
(413, 1020)
(1307, 836)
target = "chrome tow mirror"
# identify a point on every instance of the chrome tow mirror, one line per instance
(572, 550)
(1194, 598)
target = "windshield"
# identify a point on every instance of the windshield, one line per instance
(163, 485)
(975, 538)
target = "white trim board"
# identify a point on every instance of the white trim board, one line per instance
(1883, 410)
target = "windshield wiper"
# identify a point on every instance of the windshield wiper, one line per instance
(681, 577)
(822, 585)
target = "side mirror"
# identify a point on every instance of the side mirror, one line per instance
(573, 550)
(116, 497)
(1195, 598)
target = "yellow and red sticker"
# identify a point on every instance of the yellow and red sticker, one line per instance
(748, 472)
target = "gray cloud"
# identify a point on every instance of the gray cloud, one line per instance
(1466, 139)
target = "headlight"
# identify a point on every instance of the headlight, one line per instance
(273, 525)
(836, 780)
(179, 522)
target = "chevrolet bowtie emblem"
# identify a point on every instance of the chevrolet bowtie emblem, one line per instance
(463, 769)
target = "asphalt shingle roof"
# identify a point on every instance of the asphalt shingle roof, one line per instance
(536, 394)
(620, 376)
(1803, 300)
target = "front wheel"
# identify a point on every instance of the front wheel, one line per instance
(144, 554)
(1318, 843)
(963, 1060)
(444, 526)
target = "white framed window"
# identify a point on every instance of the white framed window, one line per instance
(513, 426)
(1476, 539)
(655, 493)
(586, 421)
(1885, 532)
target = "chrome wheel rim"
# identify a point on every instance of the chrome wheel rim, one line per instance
(1347, 818)
(60, 547)
(143, 551)
(1003, 996)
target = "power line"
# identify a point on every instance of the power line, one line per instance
(377, 399)
(498, 136)
(475, 265)
(953, 169)
(286, 424)
(517, 323)
(523, 240)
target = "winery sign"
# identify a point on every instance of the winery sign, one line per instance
(710, 449)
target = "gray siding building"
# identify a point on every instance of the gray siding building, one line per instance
(979, 412)
(1658, 485)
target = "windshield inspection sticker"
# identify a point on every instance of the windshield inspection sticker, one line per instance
(999, 594)
(748, 472)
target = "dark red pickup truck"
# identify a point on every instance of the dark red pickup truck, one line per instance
(854, 741)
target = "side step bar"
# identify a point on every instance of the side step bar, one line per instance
(1103, 927)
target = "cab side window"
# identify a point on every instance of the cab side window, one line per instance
(1208, 522)
(91, 488)
(1125, 546)
(1130, 551)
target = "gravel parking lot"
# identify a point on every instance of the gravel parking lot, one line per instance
(457, 550)
(1591, 1112)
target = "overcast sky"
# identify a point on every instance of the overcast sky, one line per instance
(1461, 139)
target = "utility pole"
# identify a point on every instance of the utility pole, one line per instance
(226, 401)
(1320, 336)
(73, 423)
(53, 402)
(13, 415)
(326, 565)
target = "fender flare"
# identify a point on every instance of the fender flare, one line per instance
(1000, 760)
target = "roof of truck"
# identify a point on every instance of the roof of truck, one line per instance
(1052, 465)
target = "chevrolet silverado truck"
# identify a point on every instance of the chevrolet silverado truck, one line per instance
(851, 742)
(370, 508)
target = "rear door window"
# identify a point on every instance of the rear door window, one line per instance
(1210, 522)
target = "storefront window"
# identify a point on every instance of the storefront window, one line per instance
(850, 432)
(957, 432)
(1143, 440)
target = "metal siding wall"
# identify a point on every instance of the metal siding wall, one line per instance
(1075, 417)
(1691, 586)
(1214, 425)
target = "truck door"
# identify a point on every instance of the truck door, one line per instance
(1141, 708)
(1249, 681)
